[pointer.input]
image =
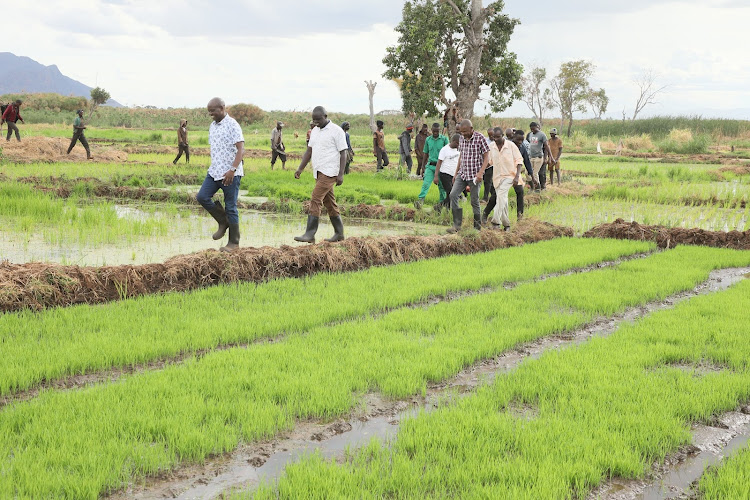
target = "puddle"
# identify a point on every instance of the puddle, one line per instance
(189, 231)
(250, 464)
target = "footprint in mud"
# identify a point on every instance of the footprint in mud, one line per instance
(257, 462)
(333, 430)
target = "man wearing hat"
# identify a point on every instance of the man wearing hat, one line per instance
(555, 149)
(78, 128)
(404, 146)
(10, 116)
(277, 146)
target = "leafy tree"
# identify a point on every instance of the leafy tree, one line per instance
(533, 93)
(246, 114)
(598, 100)
(98, 97)
(570, 89)
(453, 45)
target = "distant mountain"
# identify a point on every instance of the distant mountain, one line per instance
(23, 74)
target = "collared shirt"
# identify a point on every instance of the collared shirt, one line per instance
(432, 147)
(327, 143)
(505, 161)
(275, 137)
(472, 155)
(450, 160)
(555, 145)
(222, 137)
(12, 114)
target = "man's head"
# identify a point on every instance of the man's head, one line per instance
(553, 133)
(18, 102)
(424, 130)
(490, 132)
(380, 124)
(466, 128)
(80, 113)
(279, 125)
(409, 128)
(534, 126)
(435, 130)
(217, 109)
(455, 140)
(518, 137)
(509, 133)
(320, 116)
(498, 135)
(345, 126)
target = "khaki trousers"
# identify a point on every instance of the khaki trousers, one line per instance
(536, 166)
(323, 195)
(502, 186)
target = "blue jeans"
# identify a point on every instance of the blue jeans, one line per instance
(209, 189)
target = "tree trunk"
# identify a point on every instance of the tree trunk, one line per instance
(371, 90)
(570, 123)
(468, 86)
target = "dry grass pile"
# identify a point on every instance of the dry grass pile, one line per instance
(39, 285)
(669, 237)
(54, 149)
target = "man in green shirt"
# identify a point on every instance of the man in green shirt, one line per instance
(78, 128)
(432, 146)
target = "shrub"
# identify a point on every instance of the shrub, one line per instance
(638, 143)
(246, 114)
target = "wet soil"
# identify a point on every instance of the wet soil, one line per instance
(380, 418)
(669, 237)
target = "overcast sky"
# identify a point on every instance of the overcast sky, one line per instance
(283, 54)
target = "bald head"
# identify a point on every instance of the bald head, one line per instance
(320, 116)
(217, 109)
(510, 132)
(466, 128)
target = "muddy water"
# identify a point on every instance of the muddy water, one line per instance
(189, 231)
(248, 466)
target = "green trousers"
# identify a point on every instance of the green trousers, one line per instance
(429, 176)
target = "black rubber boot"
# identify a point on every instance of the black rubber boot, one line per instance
(219, 216)
(458, 218)
(478, 222)
(338, 227)
(234, 239)
(312, 228)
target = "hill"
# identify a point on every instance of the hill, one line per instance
(23, 74)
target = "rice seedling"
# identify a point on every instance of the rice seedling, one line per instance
(730, 479)
(85, 443)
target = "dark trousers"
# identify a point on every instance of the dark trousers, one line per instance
(184, 148)
(489, 189)
(421, 162)
(12, 127)
(231, 192)
(382, 157)
(493, 201)
(277, 154)
(78, 136)
(446, 180)
(543, 176)
(459, 185)
(406, 158)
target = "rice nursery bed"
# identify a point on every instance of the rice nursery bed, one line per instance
(667, 237)
(154, 421)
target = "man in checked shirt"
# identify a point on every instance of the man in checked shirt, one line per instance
(469, 172)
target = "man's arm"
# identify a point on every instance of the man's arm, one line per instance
(342, 167)
(305, 160)
(436, 179)
(458, 169)
(547, 152)
(485, 162)
(559, 154)
(229, 176)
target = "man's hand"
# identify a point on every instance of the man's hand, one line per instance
(339, 180)
(478, 180)
(228, 177)
(517, 180)
(436, 180)
(298, 173)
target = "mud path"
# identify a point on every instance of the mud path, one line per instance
(378, 417)
(669, 237)
(115, 374)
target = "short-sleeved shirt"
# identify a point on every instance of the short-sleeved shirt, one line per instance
(536, 144)
(555, 145)
(433, 145)
(472, 155)
(327, 143)
(450, 160)
(505, 161)
(380, 138)
(276, 137)
(76, 123)
(222, 137)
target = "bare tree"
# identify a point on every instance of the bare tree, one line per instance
(533, 94)
(648, 91)
(371, 90)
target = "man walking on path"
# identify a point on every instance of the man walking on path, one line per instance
(11, 115)
(432, 146)
(404, 147)
(469, 172)
(378, 146)
(555, 151)
(508, 167)
(78, 135)
(278, 150)
(328, 151)
(349, 152)
(487, 180)
(182, 142)
(446, 167)
(539, 153)
(419, 141)
(227, 147)
(520, 142)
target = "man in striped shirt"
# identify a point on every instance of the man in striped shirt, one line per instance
(469, 172)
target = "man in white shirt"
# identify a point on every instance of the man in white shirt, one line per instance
(508, 162)
(327, 150)
(225, 173)
(446, 166)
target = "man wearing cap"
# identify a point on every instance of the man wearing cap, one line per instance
(404, 147)
(11, 115)
(350, 152)
(78, 128)
(182, 143)
(555, 151)
(419, 141)
(539, 153)
(277, 146)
